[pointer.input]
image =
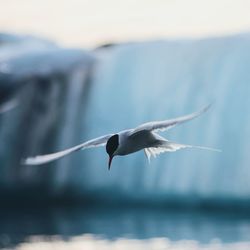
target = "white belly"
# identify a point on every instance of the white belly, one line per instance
(131, 144)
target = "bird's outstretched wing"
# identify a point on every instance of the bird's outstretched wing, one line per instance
(41, 159)
(167, 124)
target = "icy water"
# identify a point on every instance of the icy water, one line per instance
(123, 228)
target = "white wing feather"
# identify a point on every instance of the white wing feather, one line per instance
(167, 124)
(41, 159)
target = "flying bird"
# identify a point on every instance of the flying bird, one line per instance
(143, 137)
(8, 105)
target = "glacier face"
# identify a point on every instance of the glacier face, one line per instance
(48, 85)
(135, 83)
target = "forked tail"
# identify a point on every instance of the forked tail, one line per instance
(168, 146)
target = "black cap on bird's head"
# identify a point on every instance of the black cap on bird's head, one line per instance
(111, 146)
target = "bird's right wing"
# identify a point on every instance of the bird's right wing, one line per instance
(41, 159)
(167, 124)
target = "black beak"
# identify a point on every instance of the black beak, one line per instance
(110, 160)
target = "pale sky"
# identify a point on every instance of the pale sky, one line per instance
(87, 23)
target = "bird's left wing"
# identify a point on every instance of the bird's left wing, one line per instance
(167, 124)
(41, 159)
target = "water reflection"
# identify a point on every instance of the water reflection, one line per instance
(91, 242)
(119, 225)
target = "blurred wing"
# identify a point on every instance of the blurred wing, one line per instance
(167, 124)
(41, 159)
(7, 106)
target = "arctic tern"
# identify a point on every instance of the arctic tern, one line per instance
(129, 141)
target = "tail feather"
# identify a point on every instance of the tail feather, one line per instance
(167, 146)
(176, 146)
